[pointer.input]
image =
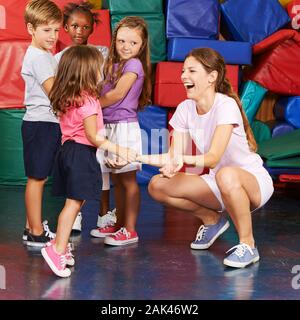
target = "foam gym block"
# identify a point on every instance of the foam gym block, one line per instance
(156, 28)
(279, 128)
(289, 178)
(277, 64)
(169, 90)
(192, 19)
(11, 148)
(96, 3)
(129, 7)
(293, 162)
(278, 171)
(288, 108)
(281, 147)
(12, 25)
(251, 96)
(233, 52)
(155, 137)
(253, 20)
(260, 130)
(284, 3)
(265, 112)
(12, 85)
(101, 35)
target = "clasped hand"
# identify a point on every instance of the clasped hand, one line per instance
(124, 156)
(172, 167)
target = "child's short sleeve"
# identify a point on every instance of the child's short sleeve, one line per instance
(228, 113)
(43, 67)
(90, 107)
(134, 65)
(179, 121)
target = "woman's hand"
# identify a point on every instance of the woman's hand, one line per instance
(172, 167)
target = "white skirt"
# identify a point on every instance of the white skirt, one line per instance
(125, 134)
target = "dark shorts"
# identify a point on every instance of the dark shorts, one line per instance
(41, 141)
(76, 173)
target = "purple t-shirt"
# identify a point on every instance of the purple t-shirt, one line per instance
(125, 110)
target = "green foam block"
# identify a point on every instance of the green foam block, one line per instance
(251, 96)
(293, 162)
(281, 147)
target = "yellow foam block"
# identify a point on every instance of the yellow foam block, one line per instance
(284, 3)
(97, 3)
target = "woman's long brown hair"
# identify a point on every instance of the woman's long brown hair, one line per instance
(112, 75)
(78, 76)
(211, 60)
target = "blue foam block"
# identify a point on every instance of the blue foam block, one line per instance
(233, 52)
(192, 19)
(155, 137)
(288, 108)
(254, 20)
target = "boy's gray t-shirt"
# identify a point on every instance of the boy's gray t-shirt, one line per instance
(38, 66)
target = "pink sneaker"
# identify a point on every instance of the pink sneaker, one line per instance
(70, 261)
(121, 237)
(56, 261)
(103, 232)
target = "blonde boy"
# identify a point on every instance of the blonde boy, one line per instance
(40, 129)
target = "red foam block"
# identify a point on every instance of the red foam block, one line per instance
(289, 178)
(169, 90)
(12, 85)
(12, 24)
(277, 63)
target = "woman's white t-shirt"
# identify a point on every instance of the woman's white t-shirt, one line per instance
(202, 127)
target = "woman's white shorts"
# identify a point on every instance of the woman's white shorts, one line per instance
(264, 181)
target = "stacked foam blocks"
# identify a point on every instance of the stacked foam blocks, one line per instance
(259, 41)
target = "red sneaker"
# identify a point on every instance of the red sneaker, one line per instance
(121, 238)
(103, 232)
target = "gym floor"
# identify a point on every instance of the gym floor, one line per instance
(162, 265)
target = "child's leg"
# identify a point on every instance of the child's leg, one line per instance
(33, 204)
(132, 199)
(65, 223)
(119, 199)
(104, 203)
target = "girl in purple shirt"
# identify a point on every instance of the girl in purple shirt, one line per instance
(127, 87)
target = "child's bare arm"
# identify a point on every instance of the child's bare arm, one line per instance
(47, 85)
(120, 91)
(90, 128)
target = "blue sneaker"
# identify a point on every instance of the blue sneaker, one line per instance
(207, 234)
(242, 256)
